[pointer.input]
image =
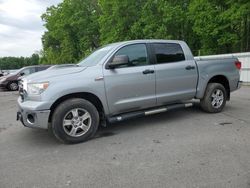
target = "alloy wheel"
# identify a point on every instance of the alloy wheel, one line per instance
(77, 122)
(217, 98)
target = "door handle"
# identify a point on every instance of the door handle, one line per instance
(189, 67)
(148, 71)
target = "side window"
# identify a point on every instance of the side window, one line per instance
(25, 71)
(37, 69)
(40, 68)
(28, 71)
(168, 52)
(137, 55)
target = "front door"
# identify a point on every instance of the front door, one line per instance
(131, 87)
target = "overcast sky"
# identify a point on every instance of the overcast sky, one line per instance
(21, 26)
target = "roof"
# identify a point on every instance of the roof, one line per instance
(146, 41)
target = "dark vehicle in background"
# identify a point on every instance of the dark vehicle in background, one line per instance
(1, 73)
(10, 81)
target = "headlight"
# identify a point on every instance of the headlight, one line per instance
(37, 88)
(2, 80)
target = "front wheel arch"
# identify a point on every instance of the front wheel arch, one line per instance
(59, 116)
(83, 95)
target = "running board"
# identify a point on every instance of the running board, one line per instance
(137, 114)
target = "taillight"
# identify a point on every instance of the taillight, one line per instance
(238, 64)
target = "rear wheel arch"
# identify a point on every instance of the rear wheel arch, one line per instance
(214, 98)
(223, 80)
(92, 98)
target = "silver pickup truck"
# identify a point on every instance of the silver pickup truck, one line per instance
(121, 81)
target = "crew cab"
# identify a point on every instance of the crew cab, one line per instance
(121, 81)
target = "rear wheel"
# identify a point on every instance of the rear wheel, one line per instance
(75, 120)
(214, 99)
(13, 86)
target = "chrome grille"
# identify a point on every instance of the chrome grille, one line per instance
(21, 90)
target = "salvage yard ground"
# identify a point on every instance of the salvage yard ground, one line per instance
(183, 148)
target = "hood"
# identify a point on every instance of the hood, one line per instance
(47, 74)
(7, 76)
(2, 77)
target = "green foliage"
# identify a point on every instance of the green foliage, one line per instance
(76, 27)
(117, 19)
(73, 30)
(7, 63)
(222, 26)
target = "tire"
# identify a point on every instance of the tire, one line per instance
(214, 99)
(12, 86)
(67, 128)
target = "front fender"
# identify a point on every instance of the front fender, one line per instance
(83, 82)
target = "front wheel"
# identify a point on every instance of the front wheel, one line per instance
(75, 120)
(214, 98)
(13, 86)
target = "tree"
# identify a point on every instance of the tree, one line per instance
(7, 63)
(117, 18)
(220, 25)
(72, 31)
(77, 27)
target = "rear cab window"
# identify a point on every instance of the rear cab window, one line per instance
(41, 68)
(168, 52)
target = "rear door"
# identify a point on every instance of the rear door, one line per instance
(176, 77)
(131, 87)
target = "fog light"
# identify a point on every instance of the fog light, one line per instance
(30, 119)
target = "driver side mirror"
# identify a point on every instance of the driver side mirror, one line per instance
(118, 61)
(22, 74)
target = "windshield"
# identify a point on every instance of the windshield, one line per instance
(96, 56)
(16, 71)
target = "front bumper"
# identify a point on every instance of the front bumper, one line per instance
(3, 85)
(30, 117)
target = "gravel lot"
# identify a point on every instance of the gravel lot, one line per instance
(183, 148)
